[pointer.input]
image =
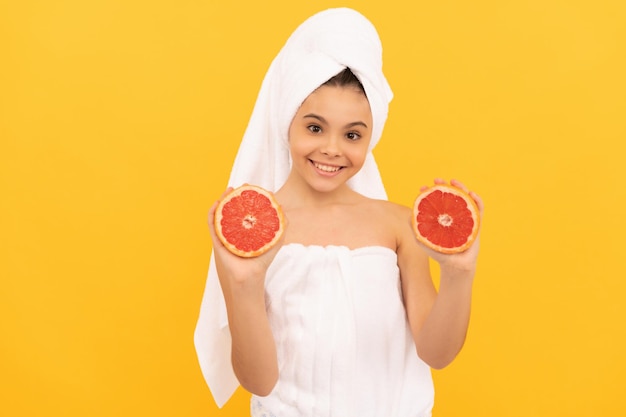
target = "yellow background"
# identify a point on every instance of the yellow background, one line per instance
(119, 121)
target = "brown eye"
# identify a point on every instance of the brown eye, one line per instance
(353, 136)
(315, 128)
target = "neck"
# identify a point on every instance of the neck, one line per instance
(295, 193)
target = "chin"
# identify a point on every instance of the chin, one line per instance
(327, 185)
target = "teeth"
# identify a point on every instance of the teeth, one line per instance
(326, 168)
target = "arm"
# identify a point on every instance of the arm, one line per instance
(439, 321)
(243, 284)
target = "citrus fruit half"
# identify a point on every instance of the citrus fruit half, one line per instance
(445, 218)
(249, 221)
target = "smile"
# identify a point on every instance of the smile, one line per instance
(326, 168)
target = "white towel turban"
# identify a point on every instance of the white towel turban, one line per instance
(319, 48)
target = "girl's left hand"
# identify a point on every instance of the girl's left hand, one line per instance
(464, 261)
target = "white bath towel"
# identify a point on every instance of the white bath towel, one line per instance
(319, 48)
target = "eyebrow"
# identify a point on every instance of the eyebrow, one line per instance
(321, 119)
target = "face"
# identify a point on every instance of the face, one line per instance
(329, 136)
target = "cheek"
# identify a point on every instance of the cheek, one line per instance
(297, 147)
(358, 155)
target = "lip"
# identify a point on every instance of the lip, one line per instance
(327, 170)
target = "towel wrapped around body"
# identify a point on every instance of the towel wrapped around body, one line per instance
(343, 342)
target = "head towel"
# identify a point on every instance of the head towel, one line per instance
(321, 47)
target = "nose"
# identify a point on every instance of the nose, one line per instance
(331, 146)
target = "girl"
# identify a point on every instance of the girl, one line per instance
(342, 317)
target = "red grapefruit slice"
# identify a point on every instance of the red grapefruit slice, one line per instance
(446, 219)
(249, 221)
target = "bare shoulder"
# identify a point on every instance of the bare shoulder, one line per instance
(392, 212)
(393, 218)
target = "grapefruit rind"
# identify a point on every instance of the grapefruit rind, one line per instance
(445, 219)
(237, 248)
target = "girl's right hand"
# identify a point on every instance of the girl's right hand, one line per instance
(253, 350)
(235, 272)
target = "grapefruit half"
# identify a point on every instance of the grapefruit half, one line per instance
(445, 219)
(249, 221)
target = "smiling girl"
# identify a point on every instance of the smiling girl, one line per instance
(342, 317)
